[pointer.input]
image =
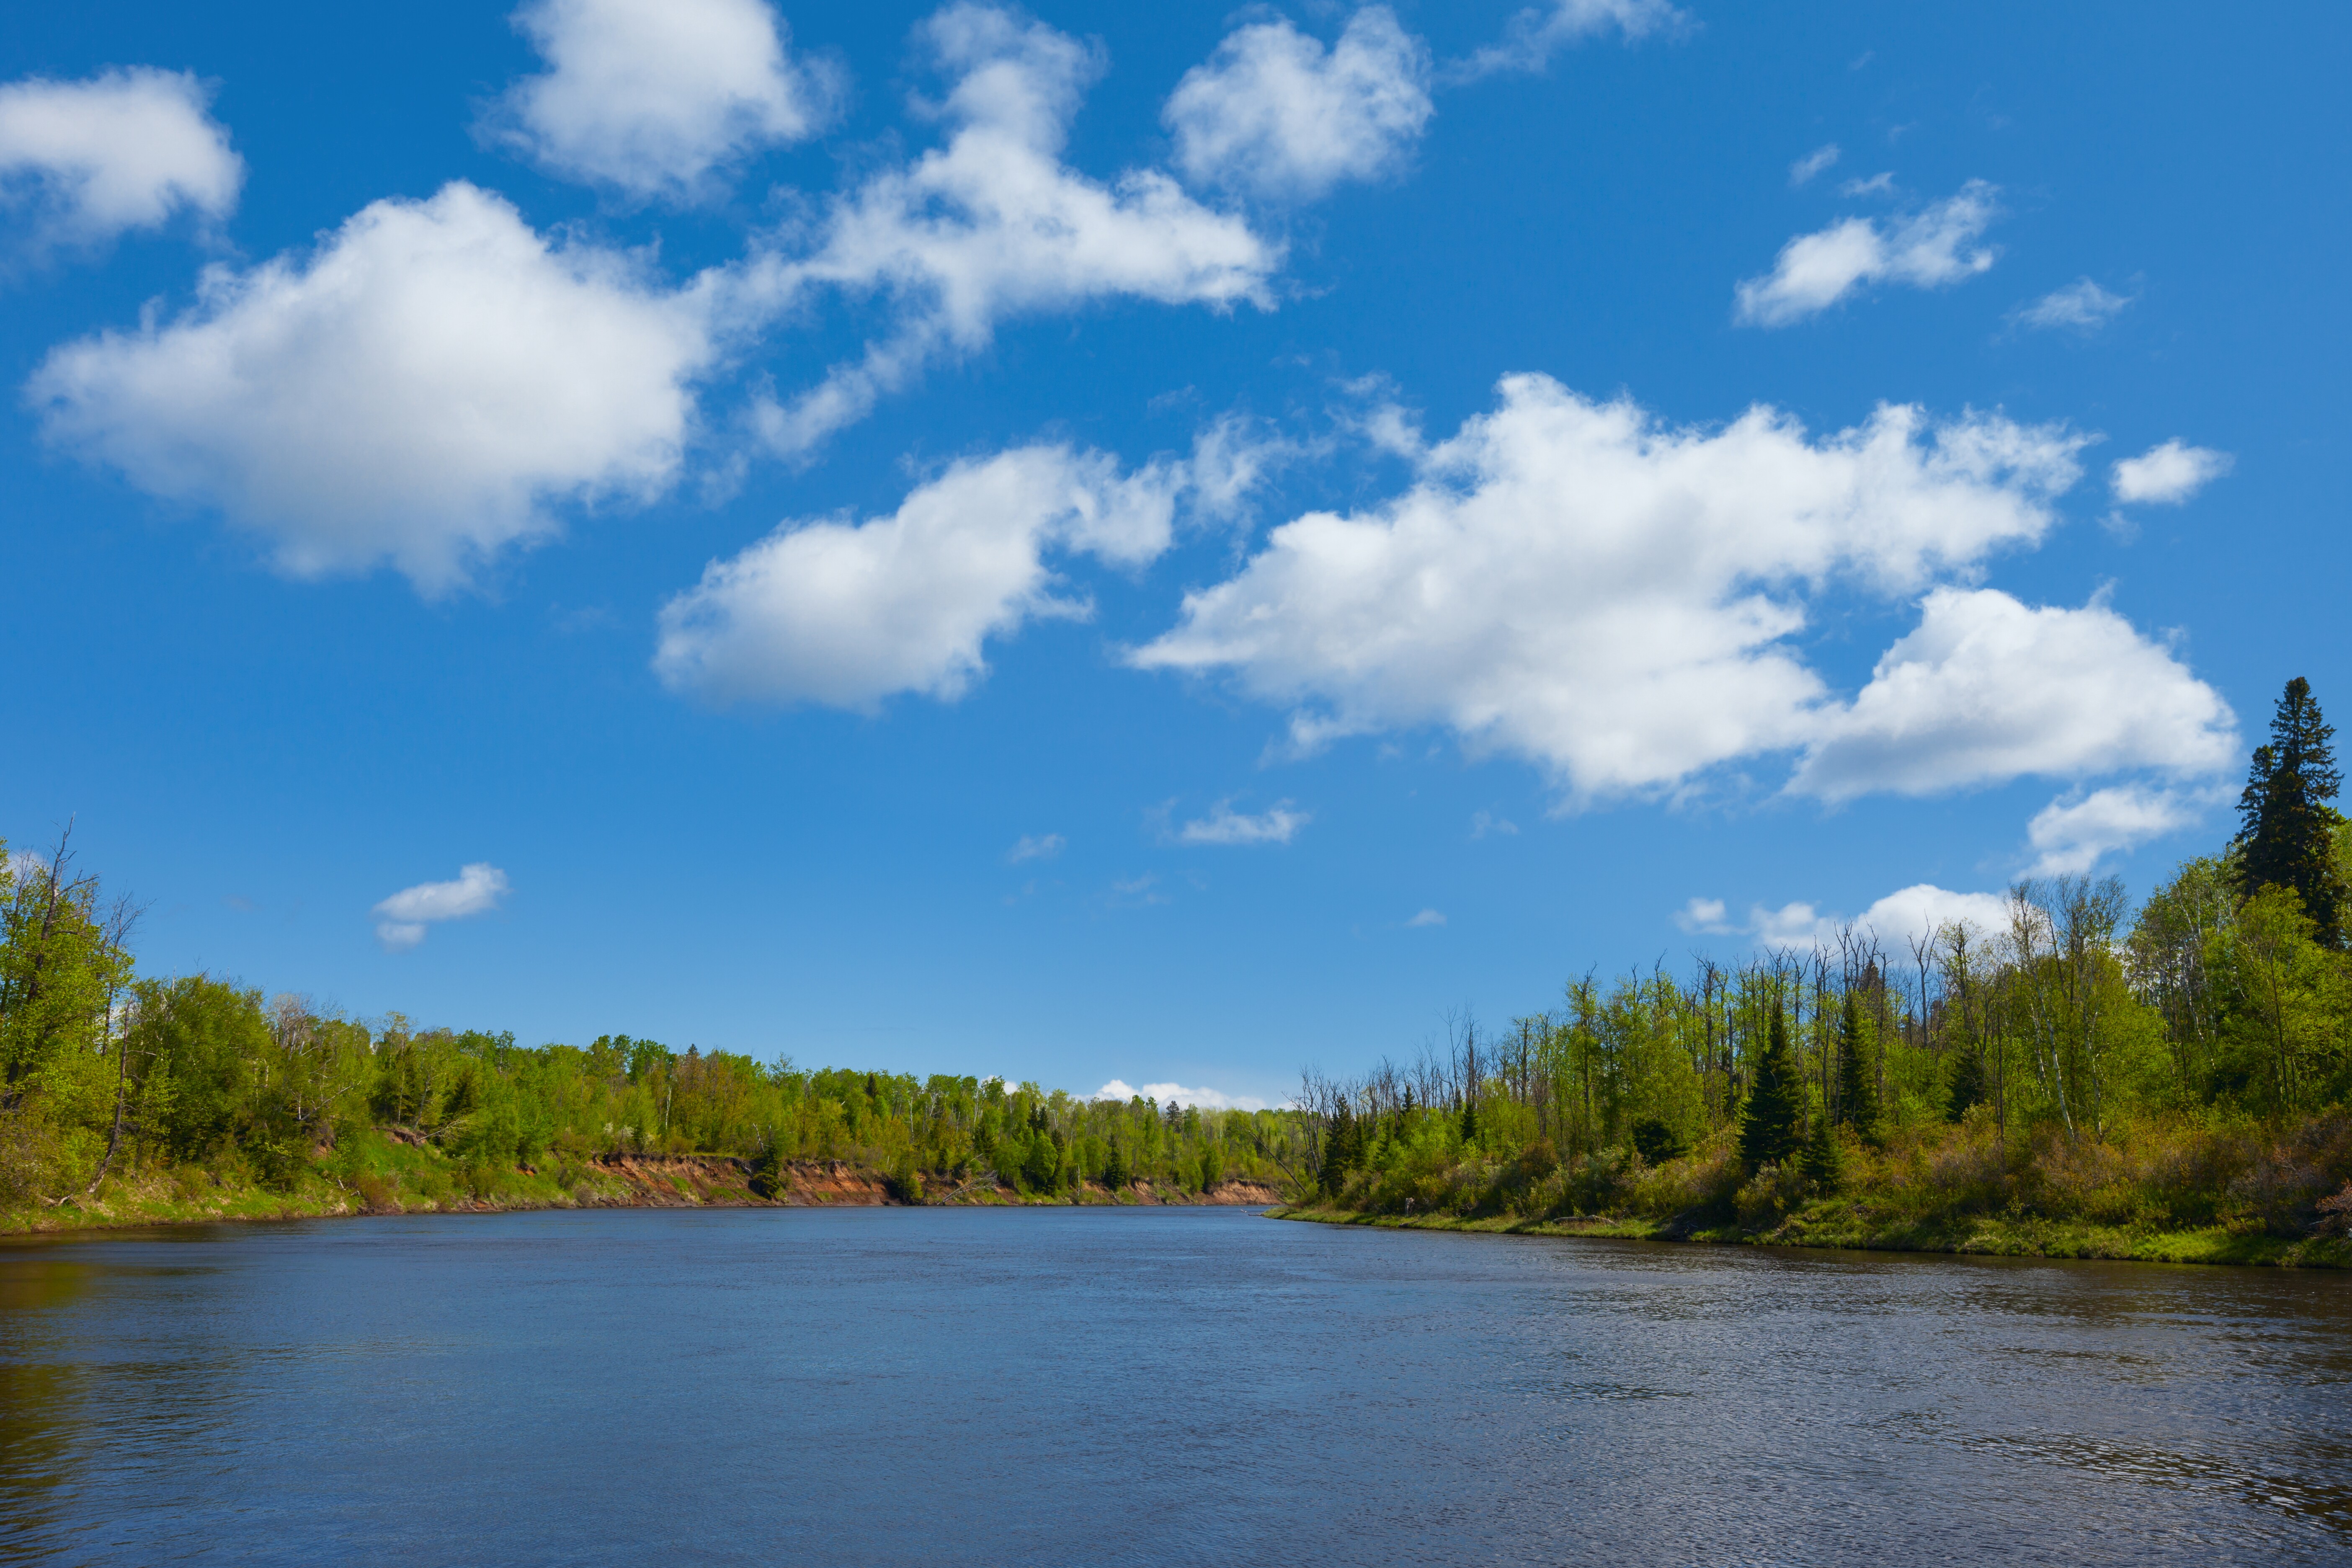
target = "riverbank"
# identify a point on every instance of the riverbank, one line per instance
(1835, 1224)
(418, 1182)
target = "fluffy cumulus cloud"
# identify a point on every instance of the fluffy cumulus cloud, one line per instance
(1575, 583)
(994, 224)
(651, 97)
(1932, 248)
(2075, 832)
(1177, 1094)
(2082, 307)
(82, 162)
(2168, 475)
(1275, 112)
(1900, 918)
(1223, 825)
(1988, 688)
(401, 919)
(847, 612)
(417, 390)
(1533, 36)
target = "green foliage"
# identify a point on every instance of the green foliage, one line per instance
(1769, 1124)
(2286, 837)
(1857, 1093)
(1824, 1160)
(1656, 1141)
(1968, 1083)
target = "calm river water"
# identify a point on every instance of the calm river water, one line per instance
(1143, 1386)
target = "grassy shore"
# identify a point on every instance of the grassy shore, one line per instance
(392, 1176)
(1835, 1223)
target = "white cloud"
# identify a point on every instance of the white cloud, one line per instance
(1933, 248)
(653, 96)
(1223, 825)
(2081, 306)
(1916, 910)
(126, 149)
(994, 224)
(1043, 846)
(1274, 112)
(2169, 474)
(419, 390)
(1427, 918)
(1707, 915)
(2074, 831)
(1533, 36)
(848, 613)
(403, 917)
(1807, 168)
(1483, 823)
(1879, 184)
(1177, 1094)
(1578, 583)
(1988, 688)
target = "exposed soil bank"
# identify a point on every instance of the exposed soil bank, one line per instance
(1989, 1238)
(190, 1196)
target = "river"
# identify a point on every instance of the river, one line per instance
(1098, 1386)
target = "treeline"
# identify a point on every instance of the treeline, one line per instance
(2186, 1064)
(105, 1073)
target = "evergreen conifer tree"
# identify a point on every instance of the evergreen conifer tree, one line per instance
(1824, 1156)
(2287, 834)
(1968, 1083)
(1339, 1149)
(1857, 1089)
(1768, 1126)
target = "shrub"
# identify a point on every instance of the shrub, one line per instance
(1656, 1141)
(1769, 1194)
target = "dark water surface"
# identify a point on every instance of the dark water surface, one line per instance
(1143, 1386)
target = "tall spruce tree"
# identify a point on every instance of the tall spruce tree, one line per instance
(1857, 1086)
(1770, 1127)
(1824, 1160)
(2286, 837)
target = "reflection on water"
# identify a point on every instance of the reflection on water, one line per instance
(905, 1386)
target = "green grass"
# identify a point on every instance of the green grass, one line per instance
(382, 1177)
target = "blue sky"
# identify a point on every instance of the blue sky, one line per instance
(1156, 543)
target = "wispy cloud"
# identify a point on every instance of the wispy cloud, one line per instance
(2076, 831)
(1932, 248)
(1532, 36)
(1425, 918)
(401, 919)
(1043, 846)
(1278, 824)
(2081, 306)
(1803, 171)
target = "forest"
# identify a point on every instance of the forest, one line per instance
(200, 1084)
(2170, 1081)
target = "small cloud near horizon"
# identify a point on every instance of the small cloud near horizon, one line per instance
(401, 919)
(1176, 1093)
